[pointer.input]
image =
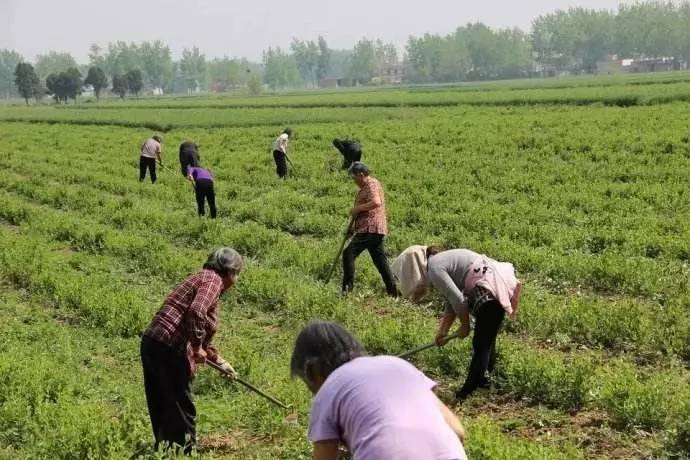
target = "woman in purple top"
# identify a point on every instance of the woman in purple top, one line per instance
(203, 187)
(379, 407)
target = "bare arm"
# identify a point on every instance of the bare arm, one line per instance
(444, 283)
(373, 203)
(326, 450)
(452, 420)
(368, 206)
(515, 300)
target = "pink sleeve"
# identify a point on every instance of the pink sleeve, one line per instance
(323, 425)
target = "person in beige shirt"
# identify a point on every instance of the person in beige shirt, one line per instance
(150, 152)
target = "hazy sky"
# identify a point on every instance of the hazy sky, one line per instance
(245, 28)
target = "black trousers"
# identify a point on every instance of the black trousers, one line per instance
(167, 381)
(281, 163)
(488, 319)
(372, 242)
(144, 163)
(204, 191)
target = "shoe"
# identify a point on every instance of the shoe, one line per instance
(461, 396)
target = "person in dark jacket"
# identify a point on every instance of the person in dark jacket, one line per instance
(350, 149)
(189, 156)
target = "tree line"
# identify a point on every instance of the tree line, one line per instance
(571, 40)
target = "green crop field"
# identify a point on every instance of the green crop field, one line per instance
(583, 185)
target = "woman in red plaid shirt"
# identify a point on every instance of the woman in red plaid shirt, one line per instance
(177, 341)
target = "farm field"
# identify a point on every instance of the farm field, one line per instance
(587, 194)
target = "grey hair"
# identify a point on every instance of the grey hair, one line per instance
(358, 168)
(225, 261)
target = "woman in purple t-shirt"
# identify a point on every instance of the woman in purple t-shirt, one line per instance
(379, 407)
(203, 188)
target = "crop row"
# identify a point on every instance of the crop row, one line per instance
(616, 95)
(635, 324)
(167, 119)
(625, 238)
(303, 214)
(81, 401)
(633, 398)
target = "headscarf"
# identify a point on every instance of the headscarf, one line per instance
(410, 269)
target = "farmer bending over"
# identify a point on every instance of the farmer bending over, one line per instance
(379, 407)
(177, 341)
(203, 187)
(370, 228)
(150, 152)
(474, 284)
(280, 152)
(189, 156)
(350, 149)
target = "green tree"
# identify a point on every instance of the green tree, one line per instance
(193, 68)
(8, 63)
(386, 54)
(226, 74)
(424, 57)
(280, 69)
(121, 57)
(156, 63)
(454, 61)
(26, 81)
(324, 60)
(96, 78)
(53, 62)
(574, 39)
(96, 58)
(363, 62)
(120, 85)
(306, 55)
(135, 81)
(254, 85)
(73, 83)
(56, 87)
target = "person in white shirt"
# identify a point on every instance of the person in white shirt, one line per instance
(280, 152)
(150, 152)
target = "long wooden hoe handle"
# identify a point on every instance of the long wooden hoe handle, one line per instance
(340, 251)
(414, 351)
(249, 386)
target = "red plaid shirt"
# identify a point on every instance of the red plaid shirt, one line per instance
(373, 221)
(189, 316)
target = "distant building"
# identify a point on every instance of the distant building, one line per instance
(335, 82)
(392, 74)
(547, 70)
(158, 91)
(613, 65)
(88, 91)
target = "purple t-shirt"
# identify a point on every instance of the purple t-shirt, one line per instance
(383, 408)
(199, 173)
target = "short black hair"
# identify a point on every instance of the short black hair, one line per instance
(157, 138)
(321, 348)
(287, 131)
